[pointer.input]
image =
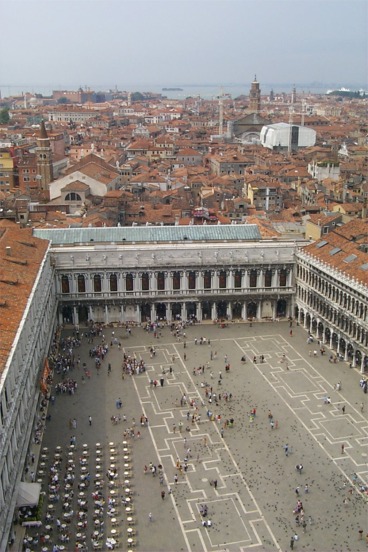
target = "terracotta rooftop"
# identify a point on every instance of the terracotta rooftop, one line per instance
(19, 267)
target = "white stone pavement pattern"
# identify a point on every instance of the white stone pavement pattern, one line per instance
(252, 506)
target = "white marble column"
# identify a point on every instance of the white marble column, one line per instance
(214, 280)
(184, 314)
(275, 278)
(153, 312)
(230, 280)
(90, 313)
(168, 312)
(229, 312)
(75, 316)
(199, 312)
(259, 310)
(122, 313)
(213, 311)
(244, 311)
(106, 314)
(138, 314)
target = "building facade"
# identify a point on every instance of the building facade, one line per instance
(332, 292)
(198, 272)
(27, 306)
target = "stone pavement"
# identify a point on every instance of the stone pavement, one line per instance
(252, 506)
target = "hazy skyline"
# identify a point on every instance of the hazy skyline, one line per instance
(180, 42)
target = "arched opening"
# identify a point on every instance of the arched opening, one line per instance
(176, 280)
(176, 311)
(238, 279)
(221, 308)
(113, 282)
(72, 196)
(191, 280)
(129, 282)
(83, 314)
(268, 278)
(145, 312)
(237, 310)
(282, 277)
(81, 283)
(253, 279)
(251, 310)
(222, 279)
(145, 281)
(281, 307)
(65, 284)
(192, 310)
(207, 279)
(161, 281)
(67, 313)
(161, 311)
(97, 283)
(206, 310)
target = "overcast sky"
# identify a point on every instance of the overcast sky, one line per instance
(179, 42)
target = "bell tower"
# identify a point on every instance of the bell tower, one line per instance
(255, 96)
(44, 159)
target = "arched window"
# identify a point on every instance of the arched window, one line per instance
(65, 284)
(113, 282)
(129, 282)
(238, 279)
(191, 280)
(161, 281)
(145, 281)
(222, 279)
(97, 283)
(81, 283)
(282, 278)
(253, 279)
(176, 280)
(207, 279)
(72, 196)
(268, 278)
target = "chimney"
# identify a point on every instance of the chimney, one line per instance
(8, 251)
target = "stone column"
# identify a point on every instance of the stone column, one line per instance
(289, 278)
(230, 280)
(259, 309)
(199, 311)
(214, 311)
(331, 340)
(244, 311)
(275, 278)
(184, 282)
(184, 314)
(362, 364)
(168, 312)
(153, 312)
(106, 314)
(153, 282)
(214, 280)
(75, 316)
(122, 313)
(138, 314)
(200, 281)
(90, 312)
(229, 312)
(310, 325)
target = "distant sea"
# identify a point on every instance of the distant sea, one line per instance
(205, 91)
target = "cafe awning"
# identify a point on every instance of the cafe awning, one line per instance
(28, 494)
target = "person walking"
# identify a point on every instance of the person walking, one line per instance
(343, 409)
(150, 517)
(342, 449)
(90, 420)
(163, 495)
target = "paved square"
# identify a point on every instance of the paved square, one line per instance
(252, 506)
